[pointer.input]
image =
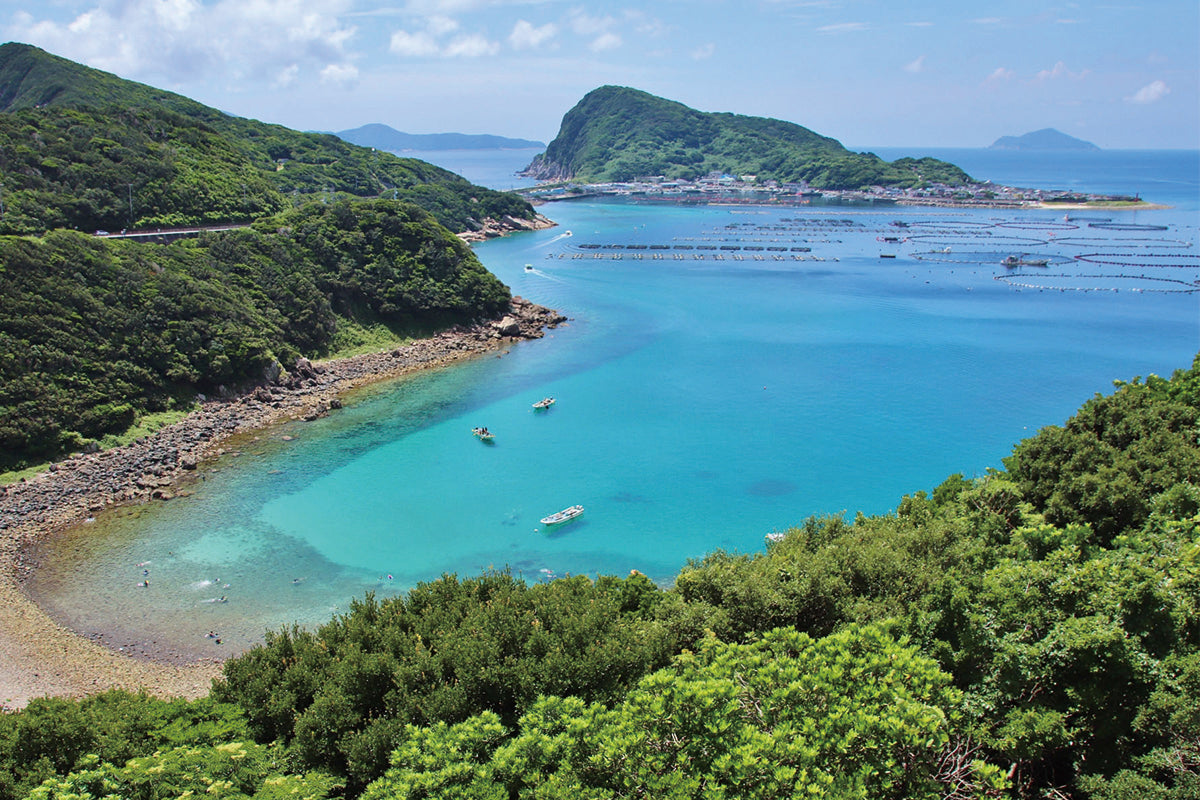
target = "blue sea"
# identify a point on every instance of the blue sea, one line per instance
(727, 372)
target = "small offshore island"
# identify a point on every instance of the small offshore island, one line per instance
(625, 143)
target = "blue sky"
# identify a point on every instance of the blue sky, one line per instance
(911, 73)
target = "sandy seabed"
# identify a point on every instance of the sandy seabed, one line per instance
(38, 656)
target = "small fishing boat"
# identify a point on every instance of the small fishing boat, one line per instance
(529, 267)
(562, 516)
(543, 404)
(484, 434)
(1021, 261)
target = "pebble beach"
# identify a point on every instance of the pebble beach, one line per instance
(38, 656)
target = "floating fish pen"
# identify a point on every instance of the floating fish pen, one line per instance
(1038, 226)
(1151, 260)
(1130, 244)
(1100, 283)
(683, 247)
(942, 223)
(988, 257)
(940, 241)
(1126, 226)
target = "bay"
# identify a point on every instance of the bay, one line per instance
(701, 402)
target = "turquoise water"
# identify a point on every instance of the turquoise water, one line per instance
(702, 403)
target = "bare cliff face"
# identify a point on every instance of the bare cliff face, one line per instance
(544, 170)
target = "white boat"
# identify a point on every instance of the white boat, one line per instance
(562, 516)
(544, 403)
(484, 434)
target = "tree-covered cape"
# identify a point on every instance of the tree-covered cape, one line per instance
(86, 150)
(95, 331)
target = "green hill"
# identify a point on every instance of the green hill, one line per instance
(619, 134)
(96, 332)
(81, 148)
(348, 244)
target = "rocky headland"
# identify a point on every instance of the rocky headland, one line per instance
(39, 656)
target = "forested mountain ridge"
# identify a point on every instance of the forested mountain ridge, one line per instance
(84, 149)
(387, 138)
(1017, 635)
(619, 134)
(95, 332)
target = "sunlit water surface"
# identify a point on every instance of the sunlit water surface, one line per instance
(702, 403)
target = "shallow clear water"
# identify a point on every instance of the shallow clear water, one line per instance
(702, 403)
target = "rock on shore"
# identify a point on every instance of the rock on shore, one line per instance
(492, 228)
(37, 656)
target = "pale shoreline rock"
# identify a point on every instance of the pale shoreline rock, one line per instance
(40, 657)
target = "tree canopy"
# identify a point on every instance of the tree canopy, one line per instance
(95, 331)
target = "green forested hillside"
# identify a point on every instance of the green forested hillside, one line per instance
(95, 331)
(84, 149)
(619, 134)
(1004, 636)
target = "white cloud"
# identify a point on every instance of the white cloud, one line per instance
(1150, 93)
(843, 27)
(413, 45)
(471, 46)
(339, 74)
(605, 41)
(439, 25)
(176, 41)
(988, 20)
(525, 36)
(916, 65)
(286, 76)
(1059, 70)
(1000, 74)
(704, 51)
(587, 25)
(919, 24)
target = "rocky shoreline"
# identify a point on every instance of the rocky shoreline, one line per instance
(40, 657)
(492, 228)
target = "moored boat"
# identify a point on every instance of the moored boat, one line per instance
(544, 403)
(562, 516)
(484, 434)
(1021, 261)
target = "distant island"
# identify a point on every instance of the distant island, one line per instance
(625, 143)
(384, 137)
(1045, 139)
(620, 134)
